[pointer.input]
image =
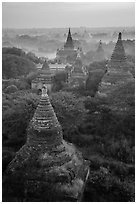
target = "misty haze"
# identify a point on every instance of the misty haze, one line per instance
(68, 102)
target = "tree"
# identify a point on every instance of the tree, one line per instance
(70, 111)
(18, 109)
(93, 80)
(15, 66)
(60, 79)
(11, 89)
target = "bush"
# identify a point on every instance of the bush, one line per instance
(103, 187)
(11, 89)
(70, 111)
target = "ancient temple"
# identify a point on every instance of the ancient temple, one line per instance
(78, 74)
(117, 70)
(50, 168)
(45, 77)
(68, 53)
(99, 54)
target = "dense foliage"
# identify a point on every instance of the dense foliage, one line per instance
(102, 128)
(15, 66)
(104, 134)
(16, 63)
(60, 79)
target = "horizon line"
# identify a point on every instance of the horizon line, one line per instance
(69, 27)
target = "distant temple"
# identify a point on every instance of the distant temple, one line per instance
(118, 70)
(68, 53)
(47, 167)
(78, 74)
(45, 77)
(99, 54)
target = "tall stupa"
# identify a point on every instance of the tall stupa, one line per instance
(117, 70)
(50, 168)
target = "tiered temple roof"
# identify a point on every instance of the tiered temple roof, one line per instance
(118, 56)
(68, 53)
(45, 75)
(118, 70)
(50, 168)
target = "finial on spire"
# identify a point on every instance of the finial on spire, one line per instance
(44, 90)
(120, 36)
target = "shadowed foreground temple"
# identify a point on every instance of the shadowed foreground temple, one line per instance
(47, 168)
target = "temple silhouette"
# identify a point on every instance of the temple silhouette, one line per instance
(117, 70)
(49, 168)
(68, 53)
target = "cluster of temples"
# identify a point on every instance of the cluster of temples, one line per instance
(49, 168)
(69, 56)
(66, 57)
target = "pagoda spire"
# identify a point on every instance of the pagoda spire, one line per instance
(44, 125)
(118, 55)
(69, 42)
(100, 49)
(120, 36)
(117, 71)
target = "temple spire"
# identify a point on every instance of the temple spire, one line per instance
(120, 36)
(69, 42)
(44, 125)
(117, 72)
(118, 55)
(100, 49)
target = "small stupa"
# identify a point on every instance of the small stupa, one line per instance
(117, 70)
(50, 168)
(78, 75)
(99, 54)
(45, 76)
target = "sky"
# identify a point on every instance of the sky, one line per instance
(69, 14)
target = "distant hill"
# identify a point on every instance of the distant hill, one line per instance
(13, 51)
(19, 52)
(15, 63)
